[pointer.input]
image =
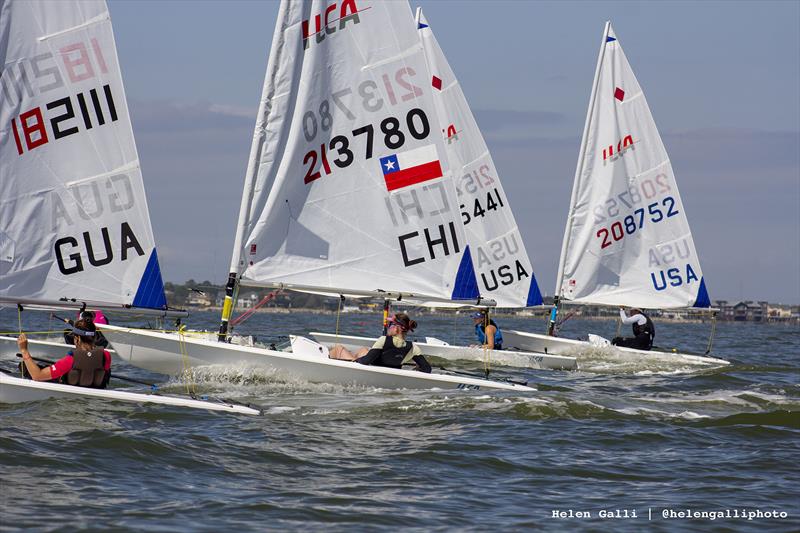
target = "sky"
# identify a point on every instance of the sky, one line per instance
(722, 80)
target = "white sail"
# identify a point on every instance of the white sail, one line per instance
(627, 240)
(348, 186)
(73, 214)
(503, 269)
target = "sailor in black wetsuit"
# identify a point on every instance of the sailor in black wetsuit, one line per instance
(643, 330)
(391, 350)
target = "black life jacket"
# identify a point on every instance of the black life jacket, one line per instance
(88, 369)
(391, 355)
(648, 328)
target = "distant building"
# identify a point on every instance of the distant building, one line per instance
(749, 311)
(198, 300)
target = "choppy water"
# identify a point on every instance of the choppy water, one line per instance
(644, 439)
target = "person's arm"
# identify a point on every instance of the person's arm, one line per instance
(373, 353)
(37, 374)
(422, 364)
(490, 331)
(370, 357)
(626, 319)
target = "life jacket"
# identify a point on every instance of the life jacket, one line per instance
(480, 331)
(648, 328)
(392, 356)
(88, 369)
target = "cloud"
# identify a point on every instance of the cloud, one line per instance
(169, 117)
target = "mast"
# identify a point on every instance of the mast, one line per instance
(262, 119)
(575, 185)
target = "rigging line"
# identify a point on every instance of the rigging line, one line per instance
(713, 331)
(250, 312)
(338, 313)
(188, 378)
(487, 352)
(19, 320)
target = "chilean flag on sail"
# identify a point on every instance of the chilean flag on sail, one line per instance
(411, 167)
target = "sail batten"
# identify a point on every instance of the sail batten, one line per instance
(627, 239)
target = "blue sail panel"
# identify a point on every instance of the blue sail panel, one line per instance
(702, 295)
(466, 285)
(534, 294)
(151, 288)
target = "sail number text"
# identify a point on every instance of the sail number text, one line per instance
(33, 132)
(392, 133)
(493, 202)
(634, 222)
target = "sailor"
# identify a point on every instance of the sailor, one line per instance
(391, 350)
(95, 316)
(644, 331)
(487, 331)
(84, 366)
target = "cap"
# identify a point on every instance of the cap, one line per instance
(477, 314)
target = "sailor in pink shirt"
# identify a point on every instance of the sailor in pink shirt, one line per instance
(64, 365)
(85, 366)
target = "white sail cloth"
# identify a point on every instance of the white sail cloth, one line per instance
(627, 240)
(348, 185)
(73, 214)
(503, 269)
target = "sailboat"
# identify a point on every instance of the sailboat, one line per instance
(503, 270)
(347, 192)
(74, 225)
(627, 240)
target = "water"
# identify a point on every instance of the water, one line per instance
(638, 439)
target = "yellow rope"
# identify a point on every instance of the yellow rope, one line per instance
(713, 331)
(487, 352)
(19, 320)
(191, 389)
(338, 314)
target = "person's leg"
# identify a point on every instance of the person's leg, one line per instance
(641, 342)
(342, 353)
(625, 342)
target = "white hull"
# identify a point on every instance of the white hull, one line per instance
(496, 357)
(535, 342)
(18, 390)
(50, 350)
(164, 353)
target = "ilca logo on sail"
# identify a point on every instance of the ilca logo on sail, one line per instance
(325, 22)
